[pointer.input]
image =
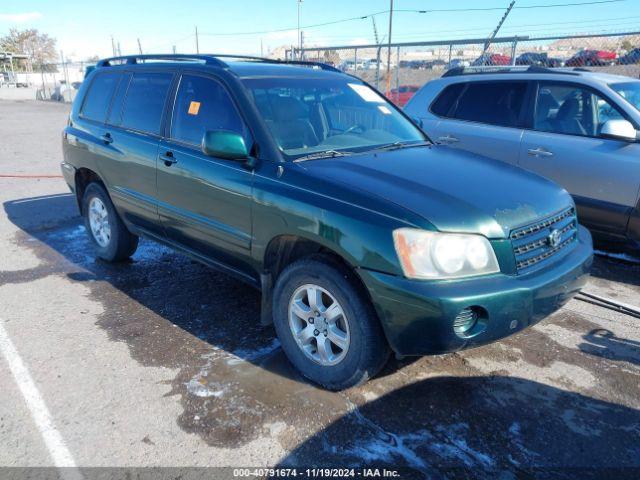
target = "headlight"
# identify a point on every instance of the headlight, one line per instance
(436, 255)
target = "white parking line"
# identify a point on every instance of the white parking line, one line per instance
(59, 452)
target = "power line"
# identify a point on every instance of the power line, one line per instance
(382, 12)
(591, 23)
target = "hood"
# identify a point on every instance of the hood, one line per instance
(453, 190)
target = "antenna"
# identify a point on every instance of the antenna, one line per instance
(487, 44)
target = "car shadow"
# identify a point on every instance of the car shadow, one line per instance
(616, 268)
(481, 427)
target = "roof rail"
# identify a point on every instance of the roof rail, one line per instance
(209, 59)
(455, 72)
(134, 59)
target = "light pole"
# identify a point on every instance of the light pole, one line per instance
(299, 2)
(389, 50)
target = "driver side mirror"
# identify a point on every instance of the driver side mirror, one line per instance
(619, 130)
(224, 144)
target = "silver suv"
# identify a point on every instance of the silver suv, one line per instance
(576, 127)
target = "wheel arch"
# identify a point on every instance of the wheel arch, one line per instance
(83, 177)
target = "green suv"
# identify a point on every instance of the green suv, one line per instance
(362, 235)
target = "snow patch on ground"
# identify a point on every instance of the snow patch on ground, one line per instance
(248, 355)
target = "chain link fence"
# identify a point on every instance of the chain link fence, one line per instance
(51, 81)
(403, 68)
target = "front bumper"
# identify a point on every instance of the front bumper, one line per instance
(418, 316)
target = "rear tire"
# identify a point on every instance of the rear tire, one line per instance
(335, 340)
(111, 239)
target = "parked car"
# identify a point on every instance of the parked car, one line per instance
(491, 59)
(401, 95)
(630, 58)
(577, 128)
(363, 237)
(539, 59)
(592, 58)
(458, 63)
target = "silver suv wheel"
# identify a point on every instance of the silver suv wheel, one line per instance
(99, 222)
(319, 325)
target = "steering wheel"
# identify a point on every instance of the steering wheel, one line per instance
(354, 128)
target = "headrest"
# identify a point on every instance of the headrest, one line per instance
(287, 109)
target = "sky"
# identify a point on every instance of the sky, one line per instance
(83, 28)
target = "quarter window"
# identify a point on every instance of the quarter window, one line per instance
(203, 104)
(497, 103)
(98, 98)
(572, 110)
(144, 103)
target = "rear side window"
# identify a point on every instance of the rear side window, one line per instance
(445, 101)
(497, 103)
(98, 98)
(144, 103)
(203, 104)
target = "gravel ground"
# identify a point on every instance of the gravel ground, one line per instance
(162, 362)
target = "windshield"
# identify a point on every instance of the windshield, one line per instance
(630, 91)
(308, 116)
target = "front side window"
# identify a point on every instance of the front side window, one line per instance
(572, 110)
(203, 104)
(99, 96)
(143, 106)
(495, 103)
(310, 116)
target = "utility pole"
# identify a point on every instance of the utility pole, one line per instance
(119, 50)
(487, 44)
(197, 41)
(389, 49)
(301, 44)
(113, 46)
(174, 49)
(299, 33)
(261, 49)
(139, 47)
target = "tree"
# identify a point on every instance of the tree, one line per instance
(627, 45)
(40, 47)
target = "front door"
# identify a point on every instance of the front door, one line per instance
(205, 202)
(565, 145)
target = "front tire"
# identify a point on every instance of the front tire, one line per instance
(326, 324)
(111, 239)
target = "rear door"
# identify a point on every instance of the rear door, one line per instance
(565, 145)
(205, 202)
(484, 118)
(86, 145)
(132, 134)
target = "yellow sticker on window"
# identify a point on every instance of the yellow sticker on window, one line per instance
(194, 108)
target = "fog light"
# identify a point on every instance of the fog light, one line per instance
(465, 321)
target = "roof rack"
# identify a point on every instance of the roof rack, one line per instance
(486, 69)
(208, 59)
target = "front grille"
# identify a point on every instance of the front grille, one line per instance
(533, 244)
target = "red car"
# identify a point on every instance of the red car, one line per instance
(401, 95)
(591, 58)
(491, 59)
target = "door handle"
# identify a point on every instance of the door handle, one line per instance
(168, 159)
(448, 139)
(540, 152)
(107, 138)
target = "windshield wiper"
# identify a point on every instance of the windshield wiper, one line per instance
(324, 154)
(398, 145)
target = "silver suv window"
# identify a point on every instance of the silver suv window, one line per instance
(572, 110)
(495, 103)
